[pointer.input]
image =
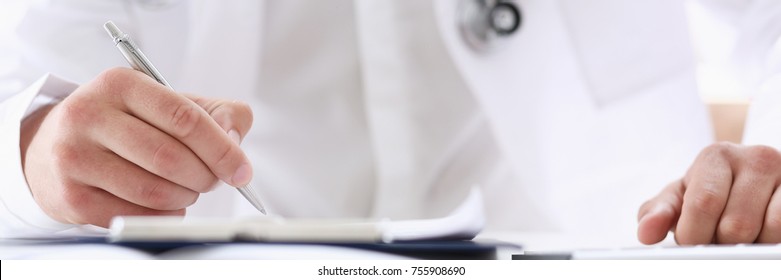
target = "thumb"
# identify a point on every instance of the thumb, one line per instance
(659, 215)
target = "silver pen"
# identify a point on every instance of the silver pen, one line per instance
(138, 61)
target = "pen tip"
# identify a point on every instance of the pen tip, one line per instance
(251, 196)
(112, 29)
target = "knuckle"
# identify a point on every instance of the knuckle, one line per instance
(710, 155)
(206, 185)
(773, 221)
(763, 159)
(116, 79)
(65, 157)
(75, 200)
(184, 120)
(163, 196)
(76, 113)
(719, 148)
(682, 239)
(708, 202)
(685, 238)
(233, 113)
(158, 196)
(226, 159)
(165, 159)
(737, 230)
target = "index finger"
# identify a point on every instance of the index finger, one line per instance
(181, 118)
(707, 186)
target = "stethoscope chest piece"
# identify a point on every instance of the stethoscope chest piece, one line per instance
(486, 24)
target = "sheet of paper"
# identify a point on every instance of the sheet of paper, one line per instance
(699, 252)
(464, 223)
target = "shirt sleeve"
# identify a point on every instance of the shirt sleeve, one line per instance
(756, 62)
(20, 215)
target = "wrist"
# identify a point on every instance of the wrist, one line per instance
(29, 128)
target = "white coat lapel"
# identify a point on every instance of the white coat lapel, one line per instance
(419, 110)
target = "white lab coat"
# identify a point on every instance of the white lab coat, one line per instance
(379, 109)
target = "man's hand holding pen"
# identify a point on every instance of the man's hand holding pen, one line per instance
(123, 144)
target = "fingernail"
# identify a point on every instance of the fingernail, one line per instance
(242, 175)
(234, 136)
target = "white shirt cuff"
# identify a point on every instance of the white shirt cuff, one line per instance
(20, 215)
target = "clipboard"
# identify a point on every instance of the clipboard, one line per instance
(449, 237)
(463, 223)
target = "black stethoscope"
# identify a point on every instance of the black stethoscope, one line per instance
(485, 24)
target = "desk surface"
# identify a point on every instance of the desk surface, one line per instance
(586, 247)
(97, 248)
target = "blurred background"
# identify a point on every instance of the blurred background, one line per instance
(714, 31)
